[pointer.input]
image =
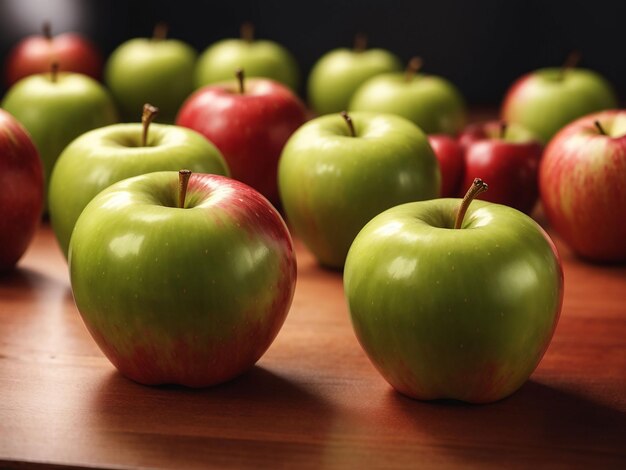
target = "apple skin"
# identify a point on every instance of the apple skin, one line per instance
(461, 314)
(101, 157)
(581, 182)
(56, 112)
(33, 55)
(509, 163)
(432, 103)
(188, 296)
(21, 198)
(259, 58)
(543, 102)
(451, 160)
(250, 129)
(339, 73)
(155, 71)
(332, 184)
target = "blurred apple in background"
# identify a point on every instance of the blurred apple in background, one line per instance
(258, 57)
(432, 103)
(34, 54)
(338, 74)
(156, 70)
(545, 100)
(250, 122)
(582, 181)
(21, 190)
(451, 163)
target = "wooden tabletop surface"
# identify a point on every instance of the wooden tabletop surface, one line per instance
(313, 400)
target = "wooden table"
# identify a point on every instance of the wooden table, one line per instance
(313, 401)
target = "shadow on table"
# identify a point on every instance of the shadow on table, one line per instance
(21, 281)
(259, 418)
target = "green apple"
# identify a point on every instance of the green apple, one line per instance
(460, 313)
(151, 70)
(547, 99)
(182, 285)
(56, 108)
(259, 58)
(431, 102)
(104, 156)
(336, 173)
(337, 74)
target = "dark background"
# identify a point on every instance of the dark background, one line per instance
(481, 45)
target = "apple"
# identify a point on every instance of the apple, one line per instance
(507, 156)
(21, 197)
(431, 102)
(155, 70)
(250, 122)
(57, 107)
(338, 74)
(34, 54)
(334, 176)
(101, 157)
(184, 286)
(461, 313)
(259, 58)
(582, 185)
(547, 99)
(451, 158)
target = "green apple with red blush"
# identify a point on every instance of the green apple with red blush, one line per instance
(182, 278)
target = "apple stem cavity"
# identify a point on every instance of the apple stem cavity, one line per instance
(360, 42)
(239, 73)
(414, 66)
(54, 71)
(46, 29)
(503, 128)
(599, 127)
(478, 186)
(159, 33)
(183, 182)
(348, 120)
(246, 31)
(147, 116)
(571, 61)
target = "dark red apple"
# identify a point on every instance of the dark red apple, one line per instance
(21, 190)
(451, 163)
(506, 156)
(34, 54)
(249, 123)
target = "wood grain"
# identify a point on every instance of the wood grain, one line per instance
(313, 401)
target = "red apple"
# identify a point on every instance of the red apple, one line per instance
(21, 196)
(249, 123)
(508, 157)
(582, 181)
(451, 163)
(34, 54)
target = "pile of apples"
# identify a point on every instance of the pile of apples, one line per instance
(183, 269)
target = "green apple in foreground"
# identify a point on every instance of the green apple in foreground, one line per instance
(338, 74)
(183, 285)
(104, 156)
(337, 172)
(151, 70)
(259, 58)
(431, 102)
(464, 313)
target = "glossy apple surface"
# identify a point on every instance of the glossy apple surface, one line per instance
(249, 128)
(464, 314)
(191, 296)
(332, 183)
(101, 157)
(21, 197)
(546, 100)
(582, 181)
(451, 160)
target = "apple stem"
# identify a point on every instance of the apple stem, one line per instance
(54, 71)
(183, 181)
(477, 187)
(571, 61)
(246, 31)
(239, 73)
(503, 127)
(159, 33)
(46, 30)
(348, 120)
(414, 65)
(147, 116)
(599, 127)
(360, 42)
